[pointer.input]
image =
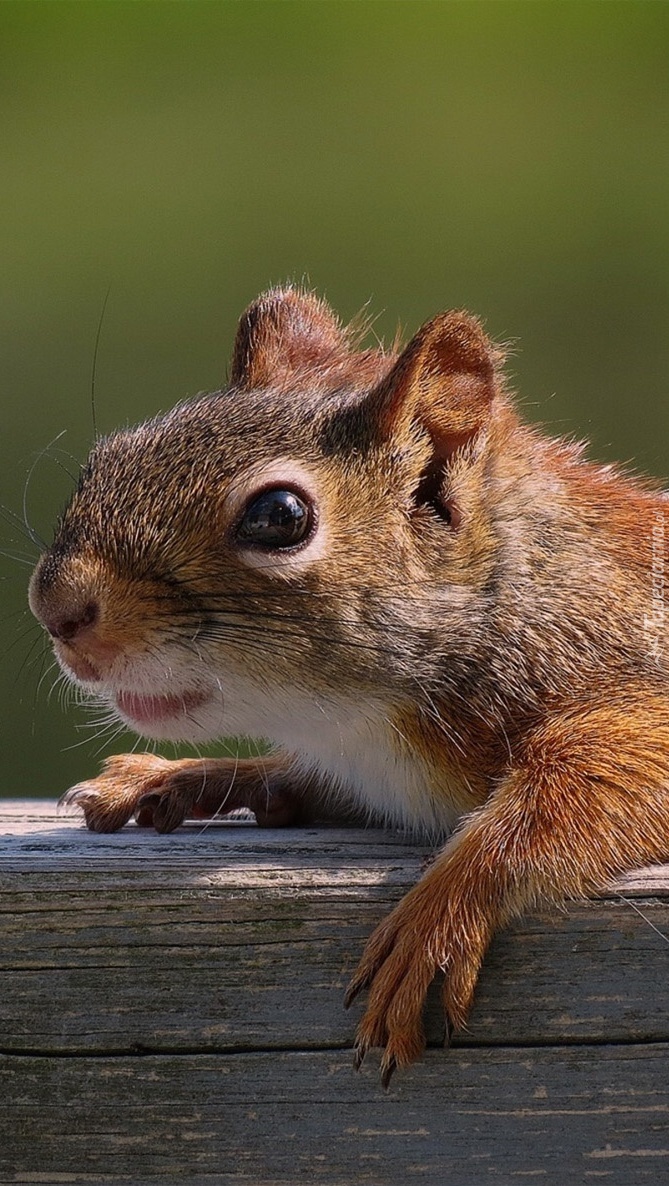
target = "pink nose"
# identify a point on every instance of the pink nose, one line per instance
(67, 625)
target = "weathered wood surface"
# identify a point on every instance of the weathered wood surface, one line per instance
(171, 1011)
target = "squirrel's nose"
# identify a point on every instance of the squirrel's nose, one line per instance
(68, 598)
(71, 622)
(63, 597)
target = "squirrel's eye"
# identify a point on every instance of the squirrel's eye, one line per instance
(275, 519)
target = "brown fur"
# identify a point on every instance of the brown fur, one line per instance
(475, 630)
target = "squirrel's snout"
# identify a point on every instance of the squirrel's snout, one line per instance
(68, 604)
(66, 608)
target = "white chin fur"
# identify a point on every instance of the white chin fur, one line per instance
(353, 743)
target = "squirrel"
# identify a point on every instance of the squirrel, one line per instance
(438, 616)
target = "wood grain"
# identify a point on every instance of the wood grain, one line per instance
(171, 1011)
(561, 1116)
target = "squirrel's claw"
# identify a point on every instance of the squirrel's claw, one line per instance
(360, 981)
(109, 800)
(388, 1062)
(359, 1052)
(165, 809)
(448, 1031)
(78, 795)
(397, 967)
(388, 1068)
(100, 814)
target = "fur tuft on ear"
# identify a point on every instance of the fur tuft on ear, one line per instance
(445, 380)
(286, 330)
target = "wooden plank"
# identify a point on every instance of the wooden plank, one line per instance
(580, 1115)
(207, 970)
(55, 839)
(237, 937)
(222, 952)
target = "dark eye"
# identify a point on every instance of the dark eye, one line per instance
(275, 519)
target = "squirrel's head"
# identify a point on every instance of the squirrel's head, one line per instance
(312, 530)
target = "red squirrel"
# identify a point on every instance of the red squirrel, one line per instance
(439, 617)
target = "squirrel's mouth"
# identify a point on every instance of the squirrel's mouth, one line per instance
(152, 710)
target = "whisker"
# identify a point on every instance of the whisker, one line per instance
(15, 522)
(109, 740)
(37, 540)
(230, 631)
(20, 638)
(22, 611)
(95, 361)
(645, 917)
(46, 671)
(18, 558)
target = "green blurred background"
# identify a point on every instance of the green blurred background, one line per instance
(509, 157)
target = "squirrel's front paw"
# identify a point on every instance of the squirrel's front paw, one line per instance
(399, 963)
(109, 800)
(162, 794)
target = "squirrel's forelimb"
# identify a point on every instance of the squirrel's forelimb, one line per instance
(585, 799)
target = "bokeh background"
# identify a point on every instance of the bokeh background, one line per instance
(509, 157)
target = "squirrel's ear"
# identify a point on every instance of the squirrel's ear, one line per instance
(284, 331)
(444, 380)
